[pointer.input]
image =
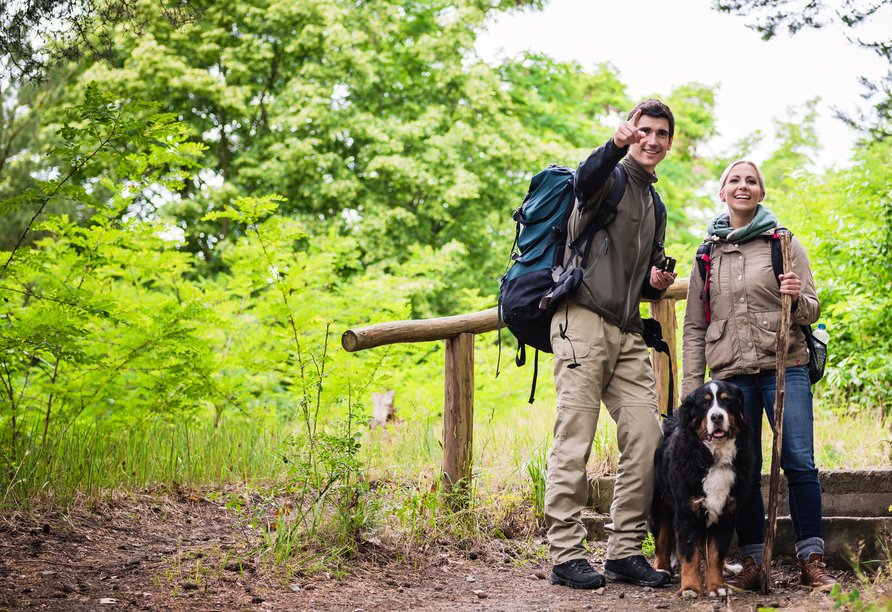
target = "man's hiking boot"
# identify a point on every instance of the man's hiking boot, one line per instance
(749, 578)
(635, 570)
(814, 575)
(577, 574)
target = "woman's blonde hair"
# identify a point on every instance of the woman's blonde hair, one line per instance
(737, 163)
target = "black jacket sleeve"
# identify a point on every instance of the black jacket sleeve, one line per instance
(593, 172)
(649, 292)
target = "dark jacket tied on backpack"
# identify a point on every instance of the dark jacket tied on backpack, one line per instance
(617, 276)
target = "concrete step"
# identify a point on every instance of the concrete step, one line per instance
(861, 493)
(866, 539)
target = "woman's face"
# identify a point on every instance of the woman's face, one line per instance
(741, 191)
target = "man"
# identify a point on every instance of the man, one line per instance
(600, 355)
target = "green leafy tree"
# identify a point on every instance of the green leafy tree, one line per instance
(561, 102)
(25, 111)
(59, 316)
(348, 111)
(799, 145)
(38, 35)
(845, 220)
(768, 17)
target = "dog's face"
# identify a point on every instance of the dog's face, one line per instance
(714, 412)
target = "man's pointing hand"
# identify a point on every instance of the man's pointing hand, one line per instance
(628, 133)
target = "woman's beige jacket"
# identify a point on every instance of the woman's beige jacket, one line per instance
(745, 303)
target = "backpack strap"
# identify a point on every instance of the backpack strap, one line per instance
(704, 266)
(777, 258)
(815, 371)
(603, 216)
(607, 212)
(535, 376)
(659, 212)
(777, 265)
(656, 330)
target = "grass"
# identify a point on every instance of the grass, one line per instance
(850, 440)
(391, 491)
(90, 461)
(510, 449)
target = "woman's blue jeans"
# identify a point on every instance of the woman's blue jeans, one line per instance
(797, 461)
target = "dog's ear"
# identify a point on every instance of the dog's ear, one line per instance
(686, 409)
(737, 400)
(736, 395)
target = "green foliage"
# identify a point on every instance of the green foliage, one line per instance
(798, 145)
(648, 546)
(845, 220)
(87, 459)
(562, 102)
(24, 160)
(57, 313)
(377, 124)
(99, 321)
(853, 601)
(368, 119)
(537, 469)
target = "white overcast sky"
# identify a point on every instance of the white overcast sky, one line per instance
(657, 45)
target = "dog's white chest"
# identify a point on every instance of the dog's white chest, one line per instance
(718, 480)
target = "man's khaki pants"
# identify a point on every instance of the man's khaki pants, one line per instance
(614, 368)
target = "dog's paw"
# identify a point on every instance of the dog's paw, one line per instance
(732, 569)
(688, 594)
(720, 592)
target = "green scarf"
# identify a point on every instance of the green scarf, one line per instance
(762, 222)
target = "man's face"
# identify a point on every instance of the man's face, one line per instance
(651, 149)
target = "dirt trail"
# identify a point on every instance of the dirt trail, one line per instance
(179, 553)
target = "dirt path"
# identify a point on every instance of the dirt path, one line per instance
(180, 554)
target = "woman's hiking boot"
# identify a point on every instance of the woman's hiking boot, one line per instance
(814, 575)
(749, 578)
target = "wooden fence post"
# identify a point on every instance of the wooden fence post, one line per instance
(458, 418)
(664, 312)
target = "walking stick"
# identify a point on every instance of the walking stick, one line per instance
(782, 344)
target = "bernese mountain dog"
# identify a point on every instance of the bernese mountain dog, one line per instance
(703, 475)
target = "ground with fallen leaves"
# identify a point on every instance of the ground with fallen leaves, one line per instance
(177, 551)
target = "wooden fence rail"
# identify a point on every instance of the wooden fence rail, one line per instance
(458, 332)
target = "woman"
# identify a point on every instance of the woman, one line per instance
(738, 345)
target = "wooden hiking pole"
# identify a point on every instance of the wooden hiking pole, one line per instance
(782, 345)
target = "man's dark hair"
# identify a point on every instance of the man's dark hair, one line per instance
(654, 108)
